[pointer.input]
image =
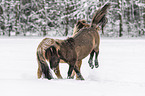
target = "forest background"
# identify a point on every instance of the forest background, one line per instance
(58, 17)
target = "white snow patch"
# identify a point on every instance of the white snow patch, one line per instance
(121, 71)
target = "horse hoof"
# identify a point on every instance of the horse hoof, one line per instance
(92, 66)
(72, 77)
(96, 66)
(80, 78)
(69, 77)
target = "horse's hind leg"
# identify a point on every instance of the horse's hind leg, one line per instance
(91, 59)
(96, 60)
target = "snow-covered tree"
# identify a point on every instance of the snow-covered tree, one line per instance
(42, 17)
(69, 10)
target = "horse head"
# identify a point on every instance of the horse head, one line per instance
(51, 54)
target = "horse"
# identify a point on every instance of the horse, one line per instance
(46, 43)
(76, 48)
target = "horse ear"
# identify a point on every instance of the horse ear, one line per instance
(48, 53)
(57, 43)
(54, 50)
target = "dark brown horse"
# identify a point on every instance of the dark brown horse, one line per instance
(74, 49)
(46, 43)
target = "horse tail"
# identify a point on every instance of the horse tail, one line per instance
(99, 17)
(43, 66)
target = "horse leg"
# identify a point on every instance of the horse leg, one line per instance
(91, 60)
(79, 63)
(71, 68)
(57, 72)
(80, 77)
(73, 74)
(96, 60)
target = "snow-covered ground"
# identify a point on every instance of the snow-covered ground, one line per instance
(121, 71)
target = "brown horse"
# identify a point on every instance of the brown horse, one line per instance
(74, 49)
(46, 43)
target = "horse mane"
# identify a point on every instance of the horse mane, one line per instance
(68, 43)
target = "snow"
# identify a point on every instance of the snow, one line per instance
(121, 71)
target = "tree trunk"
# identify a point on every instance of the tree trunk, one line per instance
(16, 21)
(144, 17)
(66, 26)
(44, 30)
(120, 18)
(120, 26)
(66, 19)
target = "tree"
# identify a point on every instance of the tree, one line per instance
(120, 17)
(1, 20)
(41, 17)
(70, 13)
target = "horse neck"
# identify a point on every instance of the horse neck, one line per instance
(67, 50)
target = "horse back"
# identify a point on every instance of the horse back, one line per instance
(85, 41)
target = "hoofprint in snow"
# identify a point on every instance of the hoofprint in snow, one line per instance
(121, 71)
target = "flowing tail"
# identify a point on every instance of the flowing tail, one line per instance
(99, 17)
(43, 67)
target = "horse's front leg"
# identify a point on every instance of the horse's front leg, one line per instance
(73, 66)
(57, 72)
(96, 60)
(79, 63)
(79, 75)
(91, 59)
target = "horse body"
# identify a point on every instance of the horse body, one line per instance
(46, 43)
(73, 49)
(85, 41)
(76, 48)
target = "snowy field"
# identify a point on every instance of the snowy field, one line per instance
(121, 71)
